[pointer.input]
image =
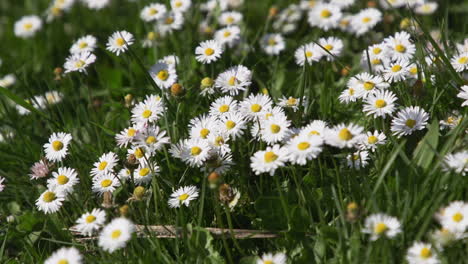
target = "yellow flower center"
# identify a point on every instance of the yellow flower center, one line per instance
(57, 145)
(178, 4)
(314, 132)
(153, 11)
(232, 81)
(183, 197)
(325, 13)
(102, 165)
(355, 157)
(256, 108)
(376, 50)
(463, 60)
(400, 48)
(204, 132)
(396, 68)
(83, 45)
(62, 179)
(328, 47)
(49, 197)
(268, 262)
(224, 108)
(230, 124)
(345, 134)
(270, 156)
(230, 20)
(425, 253)
(169, 20)
(457, 217)
(376, 62)
(271, 41)
(366, 20)
(351, 91)
(131, 132)
(303, 145)
(163, 75)
(106, 183)
(27, 26)
(147, 113)
(209, 51)
(372, 140)
(207, 82)
(219, 141)
(151, 140)
(116, 234)
(369, 86)
(79, 64)
(120, 42)
(414, 70)
(379, 103)
(410, 123)
(275, 128)
(195, 151)
(139, 153)
(380, 228)
(63, 261)
(291, 101)
(226, 34)
(143, 172)
(309, 54)
(90, 218)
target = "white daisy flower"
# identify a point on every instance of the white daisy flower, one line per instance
(163, 75)
(63, 180)
(380, 103)
(270, 258)
(90, 222)
(183, 196)
(105, 164)
(145, 172)
(219, 143)
(397, 71)
(268, 160)
(230, 18)
(454, 217)
(344, 136)
(170, 22)
(196, 152)
(27, 26)
(105, 183)
(255, 106)
(208, 51)
(457, 162)
(463, 94)
(180, 5)
(7, 80)
(228, 36)
(358, 159)
(233, 123)
(96, 4)
(65, 256)
(171, 60)
(325, 16)
(399, 46)
(124, 174)
(83, 44)
(274, 129)
(234, 80)
(426, 8)
(348, 95)
(303, 148)
(409, 120)
(372, 140)
(202, 126)
(126, 136)
(381, 225)
(153, 12)
(314, 128)
(343, 3)
(140, 153)
(152, 138)
(116, 234)
(50, 201)
(57, 148)
(147, 112)
(292, 102)
(460, 62)
(364, 84)
(365, 20)
(79, 62)
(223, 106)
(333, 47)
(310, 52)
(272, 44)
(119, 42)
(451, 121)
(2, 186)
(422, 253)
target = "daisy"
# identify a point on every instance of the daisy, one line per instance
(269, 160)
(50, 201)
(233, 124)
(343, 3)
(57, 148)
(126, 136)
(457, 162)
(422, 253)
(27, 26)
(348, 95)
(358, 159)
(463, 94)
(207, 86)
(230, 18)
(180, 5)
(153, 12)
(146, 112)
(272, 44)
(83, 44)
(116, 234)
(139, 153)
(426, 8)
(397, 71)
(325, 16)
(291, 102)
(63, 180)
(170, 22)
(274, 129)
(105, 183)
(144, 173)
(2, 186)
(381, 225)
(255, 106)
(196, 152)
(208, 51)
(96, 4)
(460, 62)
(451, 122)
(65, 256)
(331, 47)
(163, 75)
(183, 196)
(454, 217)
(235, 79)
(39, 170)
(53, 97)
(119, 42)
(7, 80)
(203, 126)
(223, 106)
(365, 20)
(171, 60)
(228, 36)
(79, 62)
(90, 222)
(270, 258)
(309, 52)
(381, 103)
(344, 136)
(219, 143)
(400, 47)
(303, 148)
(315, 128)
(372, 140)
(105, 164)
(365, 84)
(124, 174)
(151, 138)
(409, 120)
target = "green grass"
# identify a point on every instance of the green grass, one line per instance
(307, 204)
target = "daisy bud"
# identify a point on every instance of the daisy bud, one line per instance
(123, 210)
(371, 4)
(273, 11)
(58, 72)
(388, 19)
(225, 193)
(264, 91)
(128, 100)
(405, 23)
(345, 71)
(131, 162)
(107, 200)
(207, 82)
(10, 218)
(139, 192)
(213, 179)
(177, 90)
(352, 212)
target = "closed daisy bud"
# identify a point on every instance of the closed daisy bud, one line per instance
(177, 90)
(371, 4)
(139, 192)
(353, 212)
(273, 11)
(123, 210)
(128, 100)
(213, 179)
(132, 162)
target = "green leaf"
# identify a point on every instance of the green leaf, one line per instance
(426, 149)
(105, 129)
